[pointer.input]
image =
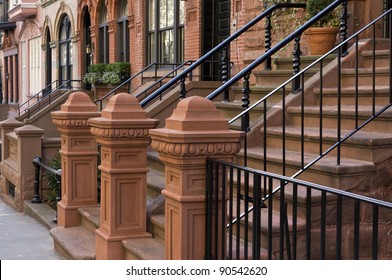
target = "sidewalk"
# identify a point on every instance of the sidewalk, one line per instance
(23, 238)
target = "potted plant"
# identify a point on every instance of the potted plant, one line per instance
(107, 73)
(106, 76)
(322, 36)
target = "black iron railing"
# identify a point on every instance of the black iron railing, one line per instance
(223, 49)
(45, 97)
(301, 221)
(148, 75)
(38, 164)
(350, 107)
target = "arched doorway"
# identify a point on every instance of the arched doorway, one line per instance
(65, 50)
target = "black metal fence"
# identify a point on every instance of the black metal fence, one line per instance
(253, 214)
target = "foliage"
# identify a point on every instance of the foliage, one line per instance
(107, 73)
(313, 7)
(55, 163)
(293, 18)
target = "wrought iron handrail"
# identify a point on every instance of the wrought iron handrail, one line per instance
(161, 81)
(140, 74)
(43, 96)
(291, 37)
(222, 46)
(222, 202)
(340, 138)
(38, 164)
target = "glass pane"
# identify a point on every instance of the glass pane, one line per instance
(182, 13)
(151, 48)
(151, 16)
(122, 9)
(162, 13)
(167, 46)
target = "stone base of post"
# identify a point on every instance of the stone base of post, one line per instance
(67, 216)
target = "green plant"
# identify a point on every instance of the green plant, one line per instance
(107, 73)
(313, 7)
(55, 163)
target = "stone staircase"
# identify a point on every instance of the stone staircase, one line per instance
(365, 156)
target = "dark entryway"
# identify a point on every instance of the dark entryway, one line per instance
(216, 20)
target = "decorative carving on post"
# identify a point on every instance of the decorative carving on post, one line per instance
(79, 157)
(195, 131)
(123, 133)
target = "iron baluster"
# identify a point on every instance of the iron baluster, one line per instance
(245, 126)
(296, 64)
(36, 197)
(225, 71)
(343, 27)
(183, 89)
(267, 40)
(58, 190)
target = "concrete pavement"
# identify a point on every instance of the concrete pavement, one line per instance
(24, 238)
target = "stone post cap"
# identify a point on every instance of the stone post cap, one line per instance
(11, 123)
(196, 114)
(123, 106)
(29, 131)
(78, 102)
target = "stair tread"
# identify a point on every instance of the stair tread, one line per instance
(145, 248)
(368, 138)
(380, 89)
(78, 242)
(328, 163)
(363, 110)
(93, 214)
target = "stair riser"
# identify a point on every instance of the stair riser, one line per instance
(257, 95)
(345, 181)
(381, 61)
(351, 100)
(87, 224)
(352, 151)
(377, 125)
(275, 79)
(230, 112)
(349, 80)
(287, 64)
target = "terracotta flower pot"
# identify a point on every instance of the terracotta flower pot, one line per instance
(321, 39)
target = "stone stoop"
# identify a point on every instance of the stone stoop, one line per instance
(78, 243)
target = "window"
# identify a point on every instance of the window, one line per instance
(65, 50)
(103, 51)
(122, 32)
(165, 31)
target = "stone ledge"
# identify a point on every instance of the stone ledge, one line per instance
(74, 243)
(143, 249)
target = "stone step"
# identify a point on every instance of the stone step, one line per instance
(90, 218)
(312, 117)
(350, 95)
(381, 58)
(259, 92)
(365, 77)
(143, 249)
(345, 176)
(371, 146)
(230, 110)
(156, 226)
(277, 77)
(286, 63)
(74, 243)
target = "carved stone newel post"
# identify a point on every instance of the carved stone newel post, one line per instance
(123, 132)
(79, 157)
(194, 132)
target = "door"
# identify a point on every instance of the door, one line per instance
(216, 28)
